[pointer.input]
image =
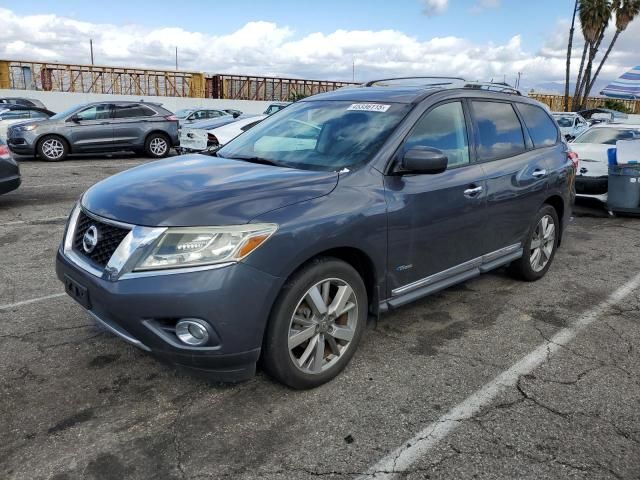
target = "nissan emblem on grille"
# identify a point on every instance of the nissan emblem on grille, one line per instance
(90, 239)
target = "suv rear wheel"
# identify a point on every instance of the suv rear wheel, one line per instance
(316, 324)
(540, 246)
(157, 145)
(52, 148)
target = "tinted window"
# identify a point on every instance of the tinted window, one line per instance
(499, 130)
(564, 122)
(37, 114)
(132, 111)
(96, 112)
(541, 128)
(14, 114)
(443, 128)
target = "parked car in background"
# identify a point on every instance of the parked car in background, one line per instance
(592, 147)
(235, 113)
(276, 107)
(222, 135)
(194, 137)
(13, 114)
(9, 170)
(190, 115)
(571, 124)
(98, 127)
(275, 252)
(602, 115)
(25, 102)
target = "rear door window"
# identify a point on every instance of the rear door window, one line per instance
(132, 111)
(499, 131)
(541, 128)
(443, 128)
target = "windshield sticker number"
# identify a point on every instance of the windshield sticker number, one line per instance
(369, 107)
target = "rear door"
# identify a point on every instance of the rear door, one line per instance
(91, 128)
(516, 171)
(131, 122)
(435, 222)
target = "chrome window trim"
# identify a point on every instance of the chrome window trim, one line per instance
(450, 272)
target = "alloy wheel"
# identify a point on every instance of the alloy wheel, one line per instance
(52, 148)
(542, 243)
(158, 146)
(323, 325)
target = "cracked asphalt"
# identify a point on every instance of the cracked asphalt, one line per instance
(78, 403)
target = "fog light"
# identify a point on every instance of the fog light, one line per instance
(192, 332)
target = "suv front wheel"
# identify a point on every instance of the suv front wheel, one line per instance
(316, 324)
(539, 247)
(157, 145)
(52, 148)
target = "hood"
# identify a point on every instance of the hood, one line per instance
(196, 190)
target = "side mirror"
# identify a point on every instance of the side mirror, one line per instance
(75, 118)
(236, 115)
(424, 160)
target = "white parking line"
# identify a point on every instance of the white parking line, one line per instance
(401, 459)
(32, 300)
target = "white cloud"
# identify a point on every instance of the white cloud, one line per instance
(434, 7)
(265, 48)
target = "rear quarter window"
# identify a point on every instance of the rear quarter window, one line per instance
(499, 132)
(541, 128)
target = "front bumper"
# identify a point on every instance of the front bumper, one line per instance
(22, 143)
(234, 300)
(592, 185)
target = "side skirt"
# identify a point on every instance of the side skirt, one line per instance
(460, 273)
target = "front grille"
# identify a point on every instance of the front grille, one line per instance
(109, 237)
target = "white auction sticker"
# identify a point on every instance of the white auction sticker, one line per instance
(369, 107)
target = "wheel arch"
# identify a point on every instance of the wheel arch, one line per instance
(59, 135)
(157, 131)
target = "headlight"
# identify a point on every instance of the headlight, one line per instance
(197, 246)
(26, 128)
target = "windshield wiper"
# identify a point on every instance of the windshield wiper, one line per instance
(260, 160)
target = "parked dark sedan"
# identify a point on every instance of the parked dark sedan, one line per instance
(9, 170)
(98, 127)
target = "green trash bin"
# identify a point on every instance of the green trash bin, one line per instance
(624, 189)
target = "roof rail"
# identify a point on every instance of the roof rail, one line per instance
(380, 80)
(450, 82)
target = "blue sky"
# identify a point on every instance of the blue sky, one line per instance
(529, 19)
(477, 39)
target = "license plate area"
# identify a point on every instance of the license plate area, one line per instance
(78, 292)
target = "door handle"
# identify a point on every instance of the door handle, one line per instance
(539, 173)
(472, 192)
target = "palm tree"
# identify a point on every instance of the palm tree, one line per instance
(594, 19)
(626, 11)
(569, 48)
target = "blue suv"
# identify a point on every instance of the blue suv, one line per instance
(281, 246)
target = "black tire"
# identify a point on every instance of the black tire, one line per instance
(277, 359)
(153, 143)
(52, 148)
(523, 268)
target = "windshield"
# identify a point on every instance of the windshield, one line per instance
(608, 135)
(183, 113)
(64, 114)
(565, 121)
(320, 135)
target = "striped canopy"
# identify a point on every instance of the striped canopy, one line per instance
(627, 86)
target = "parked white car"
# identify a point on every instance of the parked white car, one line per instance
(15, 114)
(592, 147)
(223, 135)
(571, 124)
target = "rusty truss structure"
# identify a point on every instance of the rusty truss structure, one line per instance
(63, 77)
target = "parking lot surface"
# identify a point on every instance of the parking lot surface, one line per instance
(78, 403)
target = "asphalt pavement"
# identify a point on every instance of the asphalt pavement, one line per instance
(491, 379)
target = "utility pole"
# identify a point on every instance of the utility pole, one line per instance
(91, 48)
(176, 58)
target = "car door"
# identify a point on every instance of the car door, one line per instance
(90, 129)
(516, 171)
(131, 124)
(435, 222)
